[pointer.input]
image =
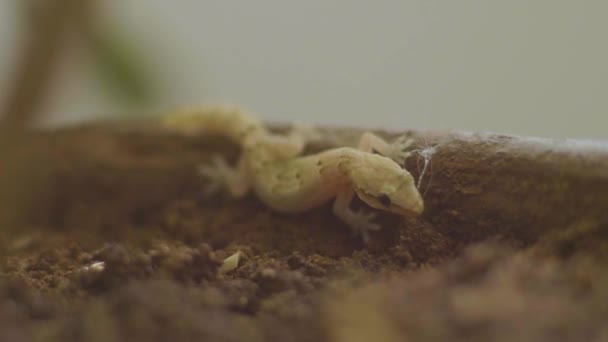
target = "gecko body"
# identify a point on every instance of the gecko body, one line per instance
(272, 167)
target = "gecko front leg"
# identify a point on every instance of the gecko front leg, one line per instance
(359, 221)
(370, 142)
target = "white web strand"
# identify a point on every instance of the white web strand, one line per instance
(427, 154)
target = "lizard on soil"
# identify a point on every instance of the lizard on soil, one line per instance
(272, 167)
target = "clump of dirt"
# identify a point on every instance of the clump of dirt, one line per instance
(117, 241)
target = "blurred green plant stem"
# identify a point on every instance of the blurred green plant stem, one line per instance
(49, 28)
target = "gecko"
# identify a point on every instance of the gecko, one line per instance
(272, 166)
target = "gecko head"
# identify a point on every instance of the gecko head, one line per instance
(383, 184)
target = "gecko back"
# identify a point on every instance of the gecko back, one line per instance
(230, 122)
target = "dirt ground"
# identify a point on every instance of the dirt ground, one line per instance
(106, 235)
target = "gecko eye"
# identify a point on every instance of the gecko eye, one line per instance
(384, 200)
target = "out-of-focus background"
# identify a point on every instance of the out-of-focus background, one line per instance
(522, 67)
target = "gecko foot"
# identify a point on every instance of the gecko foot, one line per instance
(222, 176)
(216, 174)
(397, 150)
(361, 223)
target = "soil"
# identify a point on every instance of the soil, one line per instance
(106, 234)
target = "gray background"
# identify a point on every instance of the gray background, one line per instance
(520, 66)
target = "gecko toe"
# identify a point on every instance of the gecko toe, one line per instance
(361, 224)
(398, 149)
(215, 173)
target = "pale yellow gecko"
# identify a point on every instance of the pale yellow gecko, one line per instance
(271, 165)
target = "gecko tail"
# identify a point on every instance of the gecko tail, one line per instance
(227, 121)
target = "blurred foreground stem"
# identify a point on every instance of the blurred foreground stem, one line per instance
(49, 24)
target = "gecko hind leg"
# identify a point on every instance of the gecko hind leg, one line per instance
(397, 150)
(221, 176)
(285, 146)
(359, 221)
(305, 133)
